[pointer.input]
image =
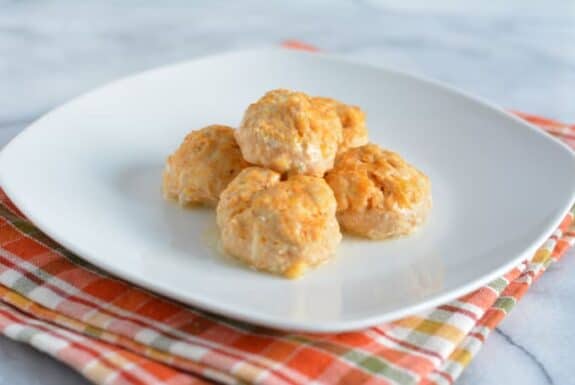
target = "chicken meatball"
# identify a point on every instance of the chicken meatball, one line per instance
(281, 227)
(378, 194)
(290, 132)
(352, 118)
(203, 165)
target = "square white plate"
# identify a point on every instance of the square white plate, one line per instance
(88, 174)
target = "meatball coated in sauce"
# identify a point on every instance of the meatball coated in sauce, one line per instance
(281, 227)
(378, 194)
(290, 132)
(201, 168)
(352, 118)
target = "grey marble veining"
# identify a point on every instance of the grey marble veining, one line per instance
(519, 54)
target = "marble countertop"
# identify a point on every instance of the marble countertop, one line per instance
(520, 55)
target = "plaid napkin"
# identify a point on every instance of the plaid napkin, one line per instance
(117, 334)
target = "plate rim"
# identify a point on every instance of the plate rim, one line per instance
(260, 318)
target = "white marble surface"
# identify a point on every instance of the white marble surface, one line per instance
(519, 54)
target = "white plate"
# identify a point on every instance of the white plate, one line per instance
(88, 174)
